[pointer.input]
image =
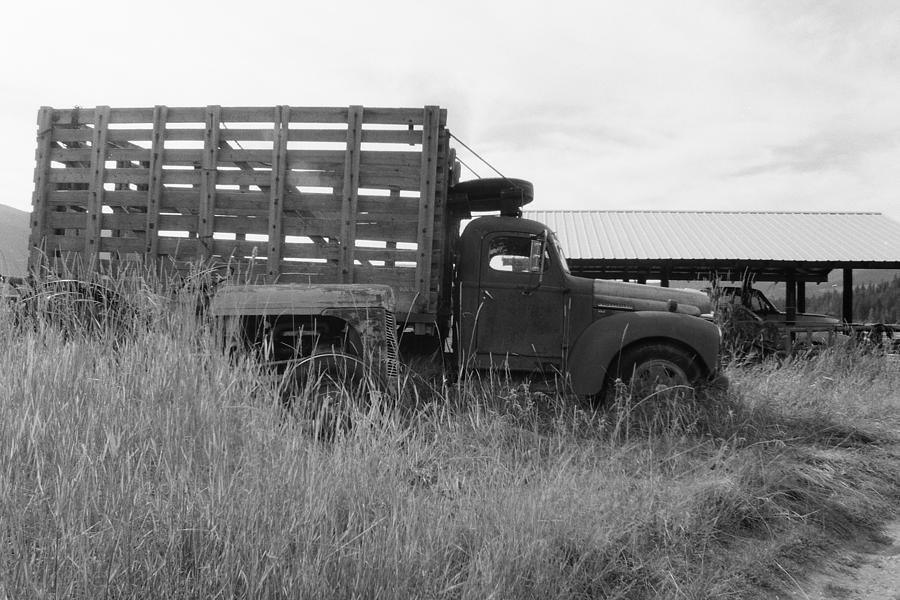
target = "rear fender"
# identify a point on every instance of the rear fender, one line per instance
(596, 348)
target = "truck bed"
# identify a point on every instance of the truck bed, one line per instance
(271, 195)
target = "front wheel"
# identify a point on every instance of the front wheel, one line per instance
(651, 370)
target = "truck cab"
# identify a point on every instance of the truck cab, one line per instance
(521, 309)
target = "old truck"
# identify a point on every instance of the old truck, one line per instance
(756, 325)
(338, 232)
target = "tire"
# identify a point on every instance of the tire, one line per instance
(327, 390)
(650, 369)
(78, 307)
(490, 194)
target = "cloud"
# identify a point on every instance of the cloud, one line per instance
(840, 149)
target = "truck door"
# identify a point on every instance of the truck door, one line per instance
(521, 315)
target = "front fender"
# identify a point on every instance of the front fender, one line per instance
(597, 346)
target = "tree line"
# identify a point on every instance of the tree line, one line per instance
(872, 303)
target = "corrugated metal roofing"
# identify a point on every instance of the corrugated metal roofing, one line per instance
(777, 236)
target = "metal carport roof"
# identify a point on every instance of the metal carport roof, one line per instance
(691, 245)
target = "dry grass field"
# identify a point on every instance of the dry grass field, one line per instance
(143, 463)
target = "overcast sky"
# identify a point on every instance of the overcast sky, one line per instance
(687, 105)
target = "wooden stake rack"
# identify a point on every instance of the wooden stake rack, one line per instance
(280, 194)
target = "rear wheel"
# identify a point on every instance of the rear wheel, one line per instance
(327, 391)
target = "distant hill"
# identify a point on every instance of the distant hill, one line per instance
(14, 230)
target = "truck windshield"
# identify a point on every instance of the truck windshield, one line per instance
(559, 252)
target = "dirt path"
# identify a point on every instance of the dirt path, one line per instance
(869, 572)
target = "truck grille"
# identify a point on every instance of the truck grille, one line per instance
(390, 334)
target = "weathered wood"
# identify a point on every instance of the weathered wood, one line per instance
(282, 120)
(122, 245)
(352, 188)
(39, 199)
(127, 155)
(350, 192)
(95, 189)
(208, 179)
(87, 175)
(390, 116)
(430, 139)
(392, 244)
(155, 187)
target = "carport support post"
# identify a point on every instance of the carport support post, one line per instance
(801, 296)
(847, 297)
(790, 306)
(790, 297)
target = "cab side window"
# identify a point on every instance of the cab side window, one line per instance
(509, 254)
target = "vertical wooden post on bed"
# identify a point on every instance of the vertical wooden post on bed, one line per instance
(430, 138)
(206, 217)
(282, 120)
(155, 186)
(94, 214)
(39, 198)
(350, 192)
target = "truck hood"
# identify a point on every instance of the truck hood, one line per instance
(619, 295)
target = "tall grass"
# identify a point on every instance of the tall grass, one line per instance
(152, 465)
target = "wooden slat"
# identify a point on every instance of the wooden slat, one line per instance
(65, 220)
(39, 199)
(130, 135)
(311, 251)
(131, 115)
(155, 187)
(82, 134)
(382, 254)
(187, 200)
(187, 249)
(430, 139)
(410, 137)
(122, 245)
(309, 159)
(177, 223)
(394, 116)
(95, 189)
(313, 179)
(323, 114)
(379, 180)
(69, 197)
(128, 154)
(410, 160)
(252, 114)
(208, 178)
(247, 135)
(87, 175)
(70, 154)
(300, 114)
(71, 115)
(396, 206)
(236, 201)
(183, 177)
(63, 243)
(282, 119)
(350, 192)
(119, 221)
